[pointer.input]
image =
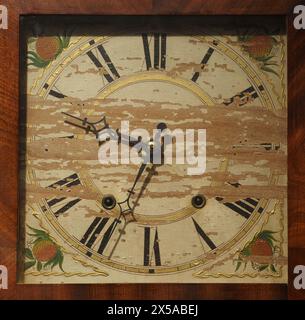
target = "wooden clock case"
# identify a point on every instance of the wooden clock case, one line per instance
(10, 97)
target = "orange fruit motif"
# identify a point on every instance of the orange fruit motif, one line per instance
(259, 46)
(47, 47)
(44, 250)
(261, 248)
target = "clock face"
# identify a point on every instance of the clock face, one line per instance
(218, 214)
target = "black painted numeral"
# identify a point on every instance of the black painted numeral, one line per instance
(54, 93)
(107, 236)
(112, 73)
(159, 51)
(63, 203)
(95, 229)
(244, 207)
(203, 235)
(203, 63)
(155, 252)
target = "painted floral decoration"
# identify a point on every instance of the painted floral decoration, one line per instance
(47, 49)
(260, 47)
(259, 252)
(43, 252)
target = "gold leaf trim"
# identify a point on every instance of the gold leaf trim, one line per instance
(66, 274)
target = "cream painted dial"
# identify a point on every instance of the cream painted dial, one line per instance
(187, 82)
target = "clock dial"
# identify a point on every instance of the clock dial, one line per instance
(139, 220)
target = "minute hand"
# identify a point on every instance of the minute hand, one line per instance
(140, 172)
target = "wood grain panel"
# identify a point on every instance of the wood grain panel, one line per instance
(207, 7)
(296, 153)
(9, 146)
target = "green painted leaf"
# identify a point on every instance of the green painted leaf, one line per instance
(246, 251)
(264, 58)
(55, 260)
(61, 44)
(39, 238)
(29, 264)
(54, 263)
(39, 266)
(28, 254)
(48, 263)
(269, 70)
(266, 234)
(61, 260)
(33, 55)
(270, 242)
(67, 41)
(38, 64)
(59, 52)
(37, 231)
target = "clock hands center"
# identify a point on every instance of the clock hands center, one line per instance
(151, 148)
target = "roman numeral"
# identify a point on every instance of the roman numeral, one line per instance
(95, 229)
(244, 207)
(155, 251)
(244, 96)
(159, 51)
(54, 93)
(203, 62)
(109, 76)
(63, 204)
(107, 236)
(203, 235)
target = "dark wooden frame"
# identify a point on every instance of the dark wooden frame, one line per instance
(9, 146)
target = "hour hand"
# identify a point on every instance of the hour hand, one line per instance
(131, 141)
(87, 125)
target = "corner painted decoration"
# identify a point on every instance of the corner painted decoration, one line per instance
(93, 221)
